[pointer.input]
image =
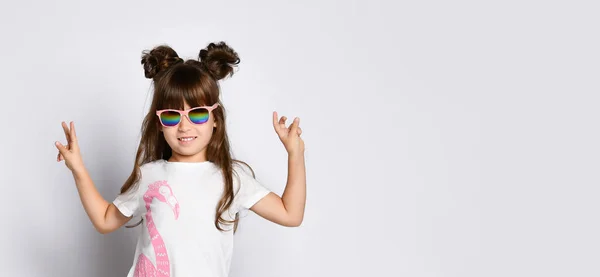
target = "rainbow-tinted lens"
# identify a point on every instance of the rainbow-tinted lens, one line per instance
(170, 118)
(199, 115)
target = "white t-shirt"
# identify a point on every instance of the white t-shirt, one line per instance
(178, 201)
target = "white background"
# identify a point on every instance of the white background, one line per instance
(443, 138)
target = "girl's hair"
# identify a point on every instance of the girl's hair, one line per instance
(195, 82)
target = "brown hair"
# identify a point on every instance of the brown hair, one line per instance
(195, 82)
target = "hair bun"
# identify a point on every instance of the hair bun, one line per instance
(158, 60)
(219, 59)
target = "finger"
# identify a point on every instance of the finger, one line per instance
(61, 148)
(295, 125)
(59, 156)
(73, 142)
(299, 131)
(66, 130)
(282, 121)
(275, 125)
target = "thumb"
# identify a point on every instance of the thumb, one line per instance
(62, 149)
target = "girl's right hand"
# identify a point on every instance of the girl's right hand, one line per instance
(70, 153)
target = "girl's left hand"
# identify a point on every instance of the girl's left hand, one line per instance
(290, 136)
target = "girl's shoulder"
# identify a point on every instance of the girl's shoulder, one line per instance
(152, 170)
(242, 173)
(152, 165)
(241, 167)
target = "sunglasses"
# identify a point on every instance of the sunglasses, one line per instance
(197, 115)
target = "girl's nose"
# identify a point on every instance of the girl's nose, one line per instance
(184, 124)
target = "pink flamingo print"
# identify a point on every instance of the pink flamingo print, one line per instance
(144, 267)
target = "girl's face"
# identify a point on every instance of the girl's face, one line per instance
(188, 140)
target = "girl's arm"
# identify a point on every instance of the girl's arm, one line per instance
(104, 216)
(287, 210)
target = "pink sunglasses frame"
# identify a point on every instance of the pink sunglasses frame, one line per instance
(185, 114)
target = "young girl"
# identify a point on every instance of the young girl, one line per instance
(185, 185)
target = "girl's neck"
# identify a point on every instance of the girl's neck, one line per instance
(175, 158)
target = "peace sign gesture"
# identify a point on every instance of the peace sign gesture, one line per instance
(70, 153)
(290, 136)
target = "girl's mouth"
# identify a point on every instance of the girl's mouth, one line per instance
(186, 139)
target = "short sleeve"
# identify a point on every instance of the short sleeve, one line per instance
(249, 190)
(129, 202)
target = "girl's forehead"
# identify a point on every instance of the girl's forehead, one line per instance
(182, 105)
(187, 106)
